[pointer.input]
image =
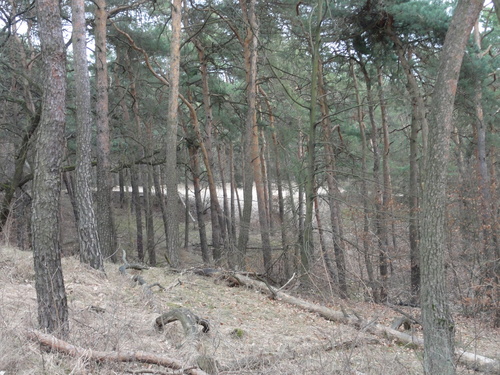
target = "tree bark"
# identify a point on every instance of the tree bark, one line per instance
(437, 321)
(307, 245)
(137, 207)
(106, 228)
(171, 138)
(333, 190)
(49, 282)
(364, 193)
(90, 246)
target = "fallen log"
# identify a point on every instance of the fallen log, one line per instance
(468, 359)
(64, 347)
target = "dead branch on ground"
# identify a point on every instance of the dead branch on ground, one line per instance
(469, 360)
(64, 347)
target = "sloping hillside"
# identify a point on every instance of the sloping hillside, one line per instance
(250, 333)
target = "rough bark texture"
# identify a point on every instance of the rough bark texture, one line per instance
(106, 229)
(171, 138)
(437, 320)
(90, 247)
(49, 282)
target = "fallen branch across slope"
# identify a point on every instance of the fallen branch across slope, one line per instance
(468, 359)
(99, 356)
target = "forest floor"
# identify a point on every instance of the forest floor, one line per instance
(250, 333)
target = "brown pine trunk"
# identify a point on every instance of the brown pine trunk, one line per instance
(489, 260)
(148, 206)
(380, 230)
(333, 190)
(279, 186)
(195, 169)
(253, 167)
(217, 217)
(307, 246)
(364, 194)
(437, 321)
(418, 123)
(386, 172)
(330, 270)
(137, 207)
(160, 197)
(49, 282)
(172, 204)
(104, 212)
(90, 246)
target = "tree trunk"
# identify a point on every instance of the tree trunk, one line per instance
(436, 318)
(386, 172)
(90, 246)
(333, 190)
(104, 212)
(490, 278)
(148, 205)
(195, 170)
(364, 193)
(250, 53)
(279, 186)
(49, 282)
(307, 246)
(380, 230)
(160, 196)
(217, 217)
(330, 270)
(171, 138)
(137, 207)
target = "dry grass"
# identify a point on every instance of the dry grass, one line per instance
(250, 334)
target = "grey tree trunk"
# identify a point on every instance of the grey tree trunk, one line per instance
(90, 247)
(49, 282)
(437, 321)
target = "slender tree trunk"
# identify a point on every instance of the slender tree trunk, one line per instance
(250, 52)
(333, 279)
(121, 184)
(488, 225)
(233, 195)
(90, 246)
(148, 205)
(104, 212)
(364, 193)
(437, 321)
(160, 197)
(195, 169)
(380, 230)
(279, 185)
(333, 190)
(217, 217)
(418, 123)
(137, 207)
(386, 172)
(49, 282)
(413, 203)
(307, 246)
(171, 139)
